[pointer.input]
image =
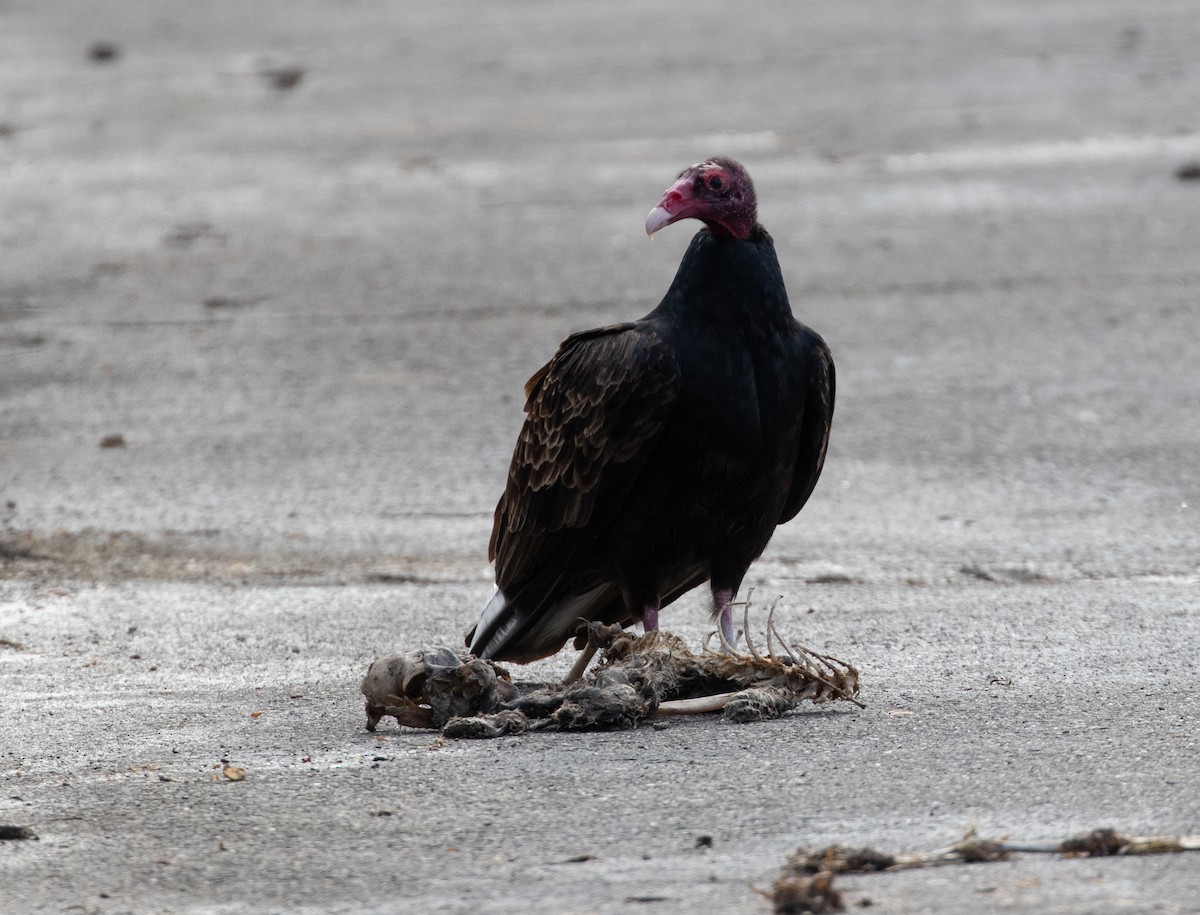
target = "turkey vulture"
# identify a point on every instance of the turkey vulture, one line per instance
(661, 453)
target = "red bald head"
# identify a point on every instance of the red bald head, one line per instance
(716, 191)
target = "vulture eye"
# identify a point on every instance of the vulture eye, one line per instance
(715, 182)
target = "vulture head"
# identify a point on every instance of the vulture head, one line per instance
(716, 191)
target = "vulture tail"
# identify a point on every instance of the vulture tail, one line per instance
(524, 627)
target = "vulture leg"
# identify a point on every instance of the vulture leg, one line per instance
(724, 601)
(650, 617)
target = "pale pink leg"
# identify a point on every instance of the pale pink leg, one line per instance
(724, 600)
(650, 617)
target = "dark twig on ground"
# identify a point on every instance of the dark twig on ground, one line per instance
(806, 883)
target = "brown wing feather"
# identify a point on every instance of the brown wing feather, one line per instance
(594, 413)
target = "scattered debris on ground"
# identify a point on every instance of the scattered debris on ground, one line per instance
(806, 883)
(638, 677)
(103, 51)
(284, 77)
(1189, 171)
(234, 773)
(814, 894)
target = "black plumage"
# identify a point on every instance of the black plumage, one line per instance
(662, 453)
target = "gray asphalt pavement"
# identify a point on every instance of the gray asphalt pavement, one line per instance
(300, 258)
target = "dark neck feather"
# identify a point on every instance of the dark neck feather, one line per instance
(729, 281)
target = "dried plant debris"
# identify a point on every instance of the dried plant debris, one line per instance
(103, 51)
(638, 677)
(284, 77)
(840, 859)
(807, 878)
(972, 849)
(807, 895)
(1189, 171)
